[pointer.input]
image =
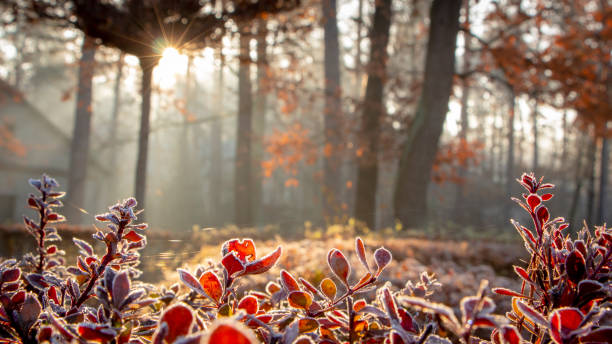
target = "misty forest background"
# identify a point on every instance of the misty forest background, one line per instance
(307, 113)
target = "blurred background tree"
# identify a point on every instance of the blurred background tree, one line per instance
(269, 112)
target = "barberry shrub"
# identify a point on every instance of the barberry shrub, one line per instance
(564, 298)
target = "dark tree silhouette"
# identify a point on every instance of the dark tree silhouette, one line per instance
(243, 181)
(373, 113)
(419, 151)
(79, 149)
(333, 110)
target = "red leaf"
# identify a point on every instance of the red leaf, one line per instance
(360, 249)
(11, 275)
(546, 197)
(339, 265)
(288, 281)
(543, 214)
(212, 286)
(132, 236)
(264, 264)
(232, 264)
(532, 314)
(249, 304)
(121, 287)
(244, 249)
(563, 321)
(522, 273)
(18, 298)
(600, 335)
(533, 200)
(575, 266)
(230, 333)
(179, 319)
(406, 321)
(307, 325)
(300, 299)
(383, 257)
(389, 304)
(190, 281)
(329, 288)
(510, 335)
(52, 295)
(504, 291)
(102, 334)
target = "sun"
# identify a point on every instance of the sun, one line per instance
(171, 64)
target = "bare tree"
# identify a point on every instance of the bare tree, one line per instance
(79, 148)
(373, 114)
(332, 112)
(421, 145)
(243, 181)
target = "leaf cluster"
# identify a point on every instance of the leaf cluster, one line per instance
(565, 294)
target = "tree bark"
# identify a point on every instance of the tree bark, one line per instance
(332, 112)
(146, 64)
(373, 114)
(243, 195)
(510, 158)
(580, 174)
(459, 208)
(603, 180)
(115, 113)
(592, 161)
(79, 149)
(536, 148)
(421, 145)
(259, 121)
(216, 148)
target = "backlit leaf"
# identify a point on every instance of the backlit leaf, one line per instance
(190, 281)
(300, 299)
(306, 325)
(264, 264)
(179, 320)
(249, 304)
(328, 287)
(360, 249)
(383, 257)
(575, 266)
(232, 264)
(245, 249)
(288, 281)
(339, 265)
(212, 286)
(227, 332)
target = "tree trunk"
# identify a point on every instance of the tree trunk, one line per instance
(580, 174)
(420, 148)
(536, 148)
(510, 158)
(592, 161)
(146, 64)
(373, 113)
(185, 198)
(259, 122)
(115, 113)
(216, 151)
(243, 195)
(79, 149)
(603, 180)
(332, 112)
(459, 208)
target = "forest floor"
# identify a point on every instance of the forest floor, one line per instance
(459, 265)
